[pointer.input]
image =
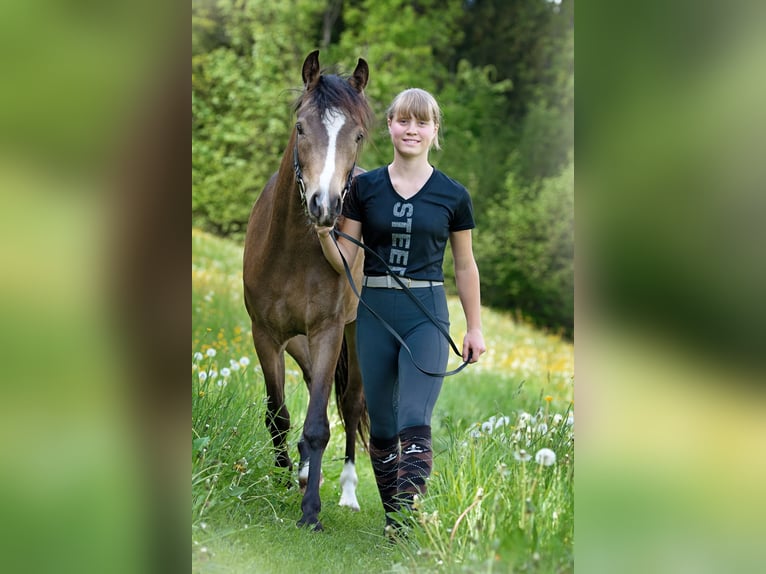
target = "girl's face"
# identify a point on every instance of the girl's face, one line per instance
(411, 136)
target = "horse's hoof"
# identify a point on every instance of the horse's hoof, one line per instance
(349, 502)
(315, 526)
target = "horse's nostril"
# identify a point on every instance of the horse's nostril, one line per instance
(314, 207)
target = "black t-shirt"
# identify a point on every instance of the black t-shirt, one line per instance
(409, 234)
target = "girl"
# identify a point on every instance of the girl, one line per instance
(406, 211)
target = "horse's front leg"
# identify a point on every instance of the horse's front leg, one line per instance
(325, 347)
(298, 348)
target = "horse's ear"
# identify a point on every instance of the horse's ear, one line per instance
(360, 76)
(311, 71)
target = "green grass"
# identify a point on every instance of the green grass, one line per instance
(485, 510)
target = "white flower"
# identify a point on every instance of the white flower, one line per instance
(210, 352)
(202, 375)
(213, 374)
(524, 418)
(198, 356)
(225, 372)
(502, 421)
(557, 418)
(545, 456)
(234, 365)
(570, 419)
(542, 428)
(522, 455)
(244, 361)
(487, 427)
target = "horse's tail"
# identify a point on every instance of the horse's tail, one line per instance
(341, 388)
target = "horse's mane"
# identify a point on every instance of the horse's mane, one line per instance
(334, 91)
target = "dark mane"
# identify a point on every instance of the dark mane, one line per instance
(334, 91)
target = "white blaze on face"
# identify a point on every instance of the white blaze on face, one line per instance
(333, 121)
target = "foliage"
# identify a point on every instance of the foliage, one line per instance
(241, 116)
(485, 511)
(529, 249)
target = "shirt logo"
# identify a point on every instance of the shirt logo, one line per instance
(401, 228)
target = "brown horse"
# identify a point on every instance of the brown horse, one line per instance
(296, 301)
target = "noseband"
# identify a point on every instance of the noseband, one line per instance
(302, 185)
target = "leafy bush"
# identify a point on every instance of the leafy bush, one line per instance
(525, 250)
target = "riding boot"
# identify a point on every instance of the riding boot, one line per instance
(384, 455)
(415, 463)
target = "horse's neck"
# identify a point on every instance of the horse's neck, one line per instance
(287, 221)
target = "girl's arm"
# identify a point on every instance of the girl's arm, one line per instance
(468, 288)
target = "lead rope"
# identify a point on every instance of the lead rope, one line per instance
(334, 233)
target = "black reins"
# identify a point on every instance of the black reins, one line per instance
(336, 233)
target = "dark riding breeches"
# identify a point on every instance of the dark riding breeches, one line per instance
(398, 395)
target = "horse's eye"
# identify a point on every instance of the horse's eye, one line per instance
(359, 137)
(299, 128)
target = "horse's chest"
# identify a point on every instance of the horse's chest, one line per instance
(296, 301)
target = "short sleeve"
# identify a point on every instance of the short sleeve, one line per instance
(352, 208)
(463, 215)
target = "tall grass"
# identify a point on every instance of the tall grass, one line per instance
(490, 506)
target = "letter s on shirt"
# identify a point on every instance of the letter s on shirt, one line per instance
(402, 209)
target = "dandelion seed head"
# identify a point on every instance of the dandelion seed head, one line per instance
(198, 356)
(225, 372)
(244, 361)
(202, 376)
(522, 455)
(210, 352)
(545, 456)
(557, 418)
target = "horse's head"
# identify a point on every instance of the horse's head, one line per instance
(332, 120)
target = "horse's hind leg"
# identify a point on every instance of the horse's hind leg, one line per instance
(354, 414)
(272, 362)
